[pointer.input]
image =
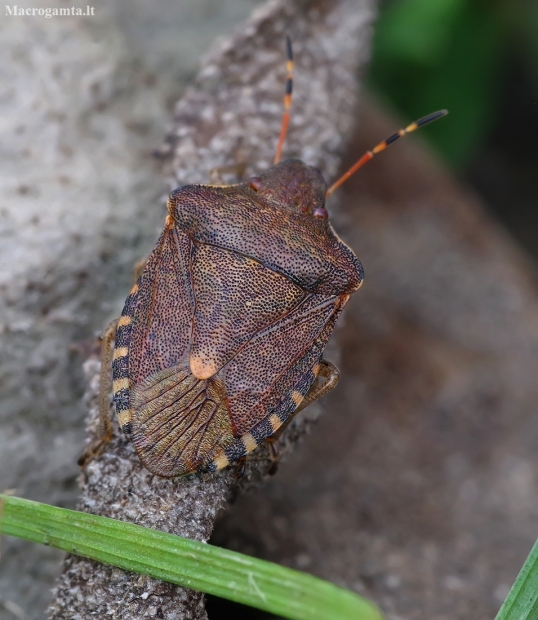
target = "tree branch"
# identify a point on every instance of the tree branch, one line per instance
(232, 113)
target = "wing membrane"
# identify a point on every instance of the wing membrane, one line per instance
(179, 423)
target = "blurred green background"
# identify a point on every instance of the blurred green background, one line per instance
(479, 59)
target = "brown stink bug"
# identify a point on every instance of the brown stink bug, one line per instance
(221, 338)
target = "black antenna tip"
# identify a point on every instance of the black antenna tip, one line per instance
(431, 117)
(289, 48)
(289, 86)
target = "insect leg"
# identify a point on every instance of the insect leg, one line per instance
(331, 374)
(215, 174)
(138, 268)
(105, 384)
(240, 468)
(274, 456)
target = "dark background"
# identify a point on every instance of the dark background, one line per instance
(478, 59)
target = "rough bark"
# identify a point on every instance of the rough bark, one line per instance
(231, 113)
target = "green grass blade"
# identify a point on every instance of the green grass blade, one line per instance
(279, 590)
(522, 600)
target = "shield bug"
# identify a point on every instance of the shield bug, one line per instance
(221, 338)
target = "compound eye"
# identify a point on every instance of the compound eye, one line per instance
(320, 212)
(255, 183)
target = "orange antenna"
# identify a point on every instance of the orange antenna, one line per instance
(287, 101)
(383, 145)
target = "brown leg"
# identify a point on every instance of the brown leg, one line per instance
(274, 457)
(105, 385)
(139, 268)
(240, 467)
(215, 174)
(331, 374)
